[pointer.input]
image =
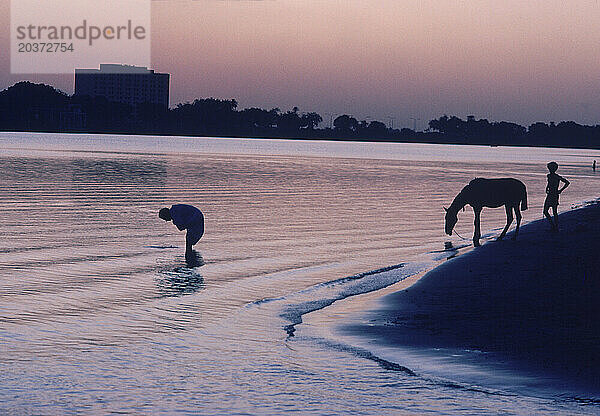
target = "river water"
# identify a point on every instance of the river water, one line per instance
(99, 312)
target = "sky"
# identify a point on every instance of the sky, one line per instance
(405, 61)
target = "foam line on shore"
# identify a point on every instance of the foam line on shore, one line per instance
(333, 291)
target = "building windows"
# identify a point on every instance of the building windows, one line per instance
(127, 84)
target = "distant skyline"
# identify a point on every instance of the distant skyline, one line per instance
(512, 60)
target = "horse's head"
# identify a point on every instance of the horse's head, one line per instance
(451, 220)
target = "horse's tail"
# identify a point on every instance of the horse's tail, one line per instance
(524, 199)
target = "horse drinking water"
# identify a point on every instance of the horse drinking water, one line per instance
(492, 193)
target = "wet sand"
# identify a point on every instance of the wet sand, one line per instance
(530, 305)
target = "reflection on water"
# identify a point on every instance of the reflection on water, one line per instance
(179, 282)
(119, 171)
(100, 312)
(174, 281)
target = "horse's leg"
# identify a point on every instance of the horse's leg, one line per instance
(518, 215)
(509, 220)
(477, 232)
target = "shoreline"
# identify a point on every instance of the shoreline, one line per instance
(515, 314)
(308, 138)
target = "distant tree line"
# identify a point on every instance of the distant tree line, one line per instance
(472, 131)
(26, 106)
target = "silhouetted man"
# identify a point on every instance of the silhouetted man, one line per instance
(552, 193)
(186, 217)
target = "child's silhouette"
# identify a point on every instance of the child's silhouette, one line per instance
(552, 193)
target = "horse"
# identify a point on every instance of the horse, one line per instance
(491, 193)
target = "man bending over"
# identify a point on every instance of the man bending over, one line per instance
(186, 217)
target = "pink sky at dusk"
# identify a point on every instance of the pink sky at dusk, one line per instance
(511, 60)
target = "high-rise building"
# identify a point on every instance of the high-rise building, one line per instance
(124, 84)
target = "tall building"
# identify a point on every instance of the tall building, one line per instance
(124, 84)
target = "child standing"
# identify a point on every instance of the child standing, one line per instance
(552, 193)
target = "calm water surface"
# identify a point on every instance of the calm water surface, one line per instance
(100, 314)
